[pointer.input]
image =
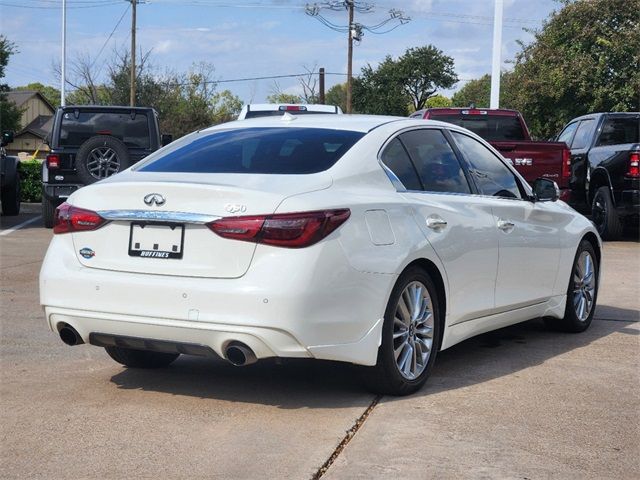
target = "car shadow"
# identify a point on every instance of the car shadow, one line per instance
(293, 384)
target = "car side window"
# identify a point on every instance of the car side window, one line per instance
(567, 134)
(618, 131)
(581, 140)
(397, 160)
(435, 161)
(492, 177)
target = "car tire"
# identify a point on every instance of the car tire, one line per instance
(405, 334)
(11, 197)
(141, 358)
(48, 212)
(604, 215)
(100, 157)
(582, 292)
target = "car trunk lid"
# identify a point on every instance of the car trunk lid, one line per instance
(157, 224)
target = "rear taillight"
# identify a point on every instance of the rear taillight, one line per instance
(69, 219)
(634, 165)
(53, 161)
(566, 164)
(290, 230)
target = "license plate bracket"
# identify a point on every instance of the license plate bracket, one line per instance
(156, 240)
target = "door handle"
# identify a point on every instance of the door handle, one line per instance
(505, 225)
(436, 223)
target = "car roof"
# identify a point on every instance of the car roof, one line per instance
(105, 107)
(358, 123)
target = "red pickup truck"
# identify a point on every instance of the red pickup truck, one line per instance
(508, 133)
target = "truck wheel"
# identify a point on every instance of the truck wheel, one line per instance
(48, 211)
(100, 157)
(11, 197)
(604, 215)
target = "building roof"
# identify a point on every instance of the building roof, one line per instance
(40, 126)
(20, 97)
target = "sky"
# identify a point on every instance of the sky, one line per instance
(258, 38)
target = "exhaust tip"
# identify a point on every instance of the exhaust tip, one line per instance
(239, 354)
(70, 336)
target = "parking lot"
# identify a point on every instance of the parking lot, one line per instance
(521, 402)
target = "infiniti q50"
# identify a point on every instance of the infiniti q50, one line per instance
(377, 241)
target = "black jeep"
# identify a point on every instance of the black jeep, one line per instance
(90, 143)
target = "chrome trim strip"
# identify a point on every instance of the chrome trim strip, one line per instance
(157, 216)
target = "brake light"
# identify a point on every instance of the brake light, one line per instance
(634, 165)
(53, 161)
(292, 108)
(69, 219)
(566, 164)
(289, 230)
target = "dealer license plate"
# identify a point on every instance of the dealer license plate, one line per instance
(155, 240)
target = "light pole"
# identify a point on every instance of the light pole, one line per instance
(497, 55)
(132, 90)
(64, 54)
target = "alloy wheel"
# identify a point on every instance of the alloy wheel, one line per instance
(584, 286)
(413, 330)
(103, 162)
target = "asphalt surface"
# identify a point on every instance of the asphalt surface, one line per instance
(521, 402)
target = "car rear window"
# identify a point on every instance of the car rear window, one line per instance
(257, 150)
(78, 127)
(493, 128)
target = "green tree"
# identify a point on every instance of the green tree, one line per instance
(51, 94)
(9, 113)
(337, 95)
(423, 71)
(281, 97)
(380, 91)
(226, 106)
(478, 92)
(410, 80)
(438, 101)
(586, 58)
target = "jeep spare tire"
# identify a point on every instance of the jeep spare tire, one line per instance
(100, 157)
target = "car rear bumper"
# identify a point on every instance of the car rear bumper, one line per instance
(55, 192)
(328, 311)
(629, 203)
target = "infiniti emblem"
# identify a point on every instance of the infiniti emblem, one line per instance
(154, 198)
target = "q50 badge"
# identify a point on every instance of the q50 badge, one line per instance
(87, 253)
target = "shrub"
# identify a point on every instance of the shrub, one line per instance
(31, 180)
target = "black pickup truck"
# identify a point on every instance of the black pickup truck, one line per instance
(90, 143)
(605, 171)
(9, 178)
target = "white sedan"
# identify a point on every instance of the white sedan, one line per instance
(371, 240)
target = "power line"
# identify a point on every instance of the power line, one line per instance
(110, 35)
(57, 7)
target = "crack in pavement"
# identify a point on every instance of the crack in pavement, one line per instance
(346, 439)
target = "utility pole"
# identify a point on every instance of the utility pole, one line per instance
(350, 56)
(63, 78)
(321, 99)
(497, 55)
(132, 91)
(354, 30)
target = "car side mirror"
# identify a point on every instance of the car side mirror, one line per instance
(166, 139)
(7, 137)
(545, 190)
